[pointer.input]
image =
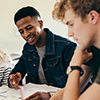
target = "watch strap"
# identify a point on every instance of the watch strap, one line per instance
(77, 68)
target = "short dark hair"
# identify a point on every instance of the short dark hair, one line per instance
(24, 12)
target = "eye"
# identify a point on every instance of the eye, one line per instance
(71, 24)
(21, 31)
(29, 27)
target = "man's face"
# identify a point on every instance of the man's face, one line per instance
(30, 29)
(82, 32)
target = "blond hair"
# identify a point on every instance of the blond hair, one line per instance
(79, 7)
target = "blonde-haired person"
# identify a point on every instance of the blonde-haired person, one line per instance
(83, 20)
(5, 67)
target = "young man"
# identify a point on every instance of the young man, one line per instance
(45, 56)
(83, 20)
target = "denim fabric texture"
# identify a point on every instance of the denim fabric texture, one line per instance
(58, 53)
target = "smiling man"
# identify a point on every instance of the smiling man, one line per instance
(45, 56)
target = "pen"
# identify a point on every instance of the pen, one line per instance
(13, 77)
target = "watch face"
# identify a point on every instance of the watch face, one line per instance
(68, 70)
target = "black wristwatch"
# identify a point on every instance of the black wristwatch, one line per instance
(71, 68)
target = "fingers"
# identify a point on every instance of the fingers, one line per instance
(32, 96)
(39, 96)
(15, 77)
(36, 98)
(14, 80)
(89, 56)
(14, 85)
(80, 56)
(11, 76)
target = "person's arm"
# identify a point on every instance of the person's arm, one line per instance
(58, 95)
(93, 92)
(38, 96)
(72, 89)
(20, 68)
(85, 78)
(83, 82)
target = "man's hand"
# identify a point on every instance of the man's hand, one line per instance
(80, 57)
(14, 80)
(39, 96)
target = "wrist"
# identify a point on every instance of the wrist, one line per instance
(75, 63)
(71, 68)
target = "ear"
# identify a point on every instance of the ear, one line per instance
(41, 23)
(94, 16)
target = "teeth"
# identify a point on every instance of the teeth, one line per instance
(29, 39)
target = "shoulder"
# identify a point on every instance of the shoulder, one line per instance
(63, 40)
(57, 38)
(27, 47)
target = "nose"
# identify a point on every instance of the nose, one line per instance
(70, 33)
(26, 33)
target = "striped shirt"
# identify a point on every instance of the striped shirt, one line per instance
(5, 67)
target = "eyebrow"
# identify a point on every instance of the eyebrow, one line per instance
(25, 27)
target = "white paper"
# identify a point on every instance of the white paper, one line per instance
(28, 89)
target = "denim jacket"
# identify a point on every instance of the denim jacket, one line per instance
(56, 59)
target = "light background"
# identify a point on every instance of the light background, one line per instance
(9, 42)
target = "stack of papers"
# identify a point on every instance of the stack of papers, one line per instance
(7, 93)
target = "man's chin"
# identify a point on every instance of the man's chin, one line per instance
(31, 43)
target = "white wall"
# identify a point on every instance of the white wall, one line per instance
(9, 42)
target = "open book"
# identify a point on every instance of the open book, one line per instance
(28, 89)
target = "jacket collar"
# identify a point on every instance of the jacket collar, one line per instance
(49, 42)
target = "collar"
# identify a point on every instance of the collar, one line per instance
(49, 42)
